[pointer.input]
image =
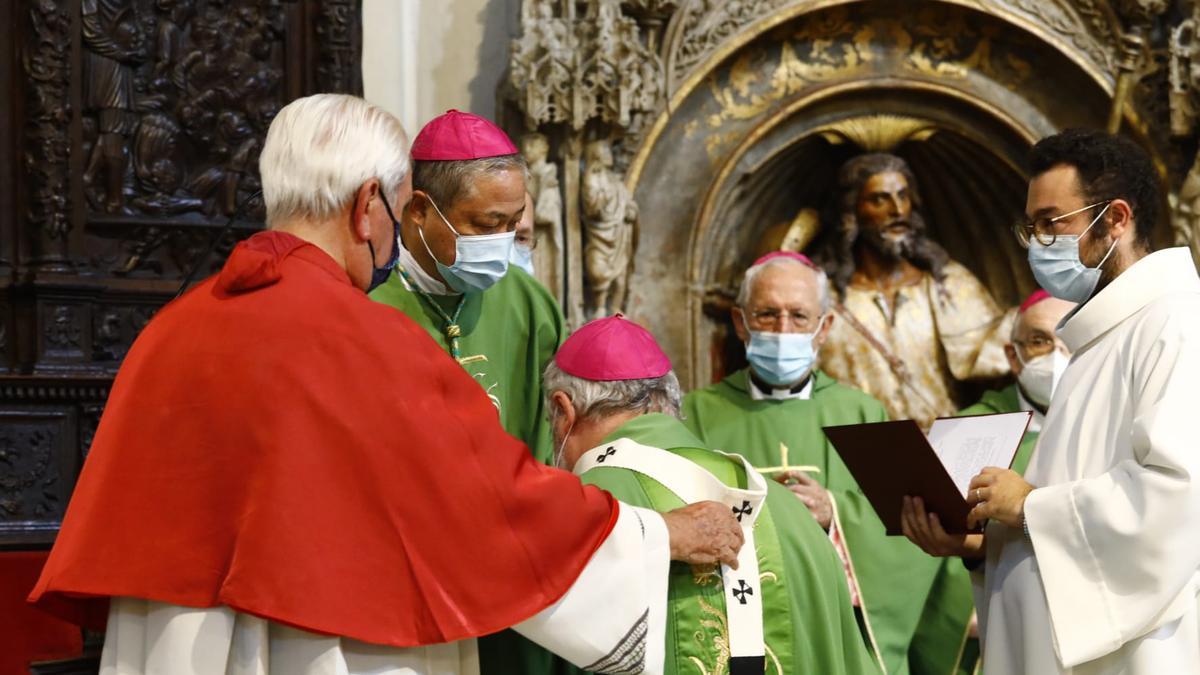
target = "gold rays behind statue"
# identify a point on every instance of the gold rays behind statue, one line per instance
(878, 133)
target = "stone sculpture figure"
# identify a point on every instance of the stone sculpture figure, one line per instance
(609, 215)
(547, 210)
(1185, 212)
(911, 323)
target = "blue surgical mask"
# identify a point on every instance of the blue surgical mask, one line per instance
(379, 275)
(781, 359)
(1059, 270)
(479, 260)
(522, 256)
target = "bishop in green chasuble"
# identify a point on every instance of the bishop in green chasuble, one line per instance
(453, 276)
(808, 623)
(508, 334)
(785, 607)
(773, 414)
(945, 641)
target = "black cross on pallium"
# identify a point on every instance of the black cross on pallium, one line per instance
(742, 591)
(744, 510)
(608, 452)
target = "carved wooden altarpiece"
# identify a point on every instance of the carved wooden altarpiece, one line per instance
(129, 137)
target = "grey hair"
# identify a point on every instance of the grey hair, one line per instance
(447, 181)
(595, 399)
(747, 287)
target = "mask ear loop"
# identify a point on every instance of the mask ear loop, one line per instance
(421, 232)
(1089, 227)
(559, 454)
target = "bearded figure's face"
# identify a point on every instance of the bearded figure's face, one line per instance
(884, 211)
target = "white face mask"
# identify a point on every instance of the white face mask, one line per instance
(1059, 270)
(1039, 376)
(782, 359)
(522, 256)
(480, 260)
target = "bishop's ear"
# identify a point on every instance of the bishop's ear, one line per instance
(418, 208)
(739, 324)
(562, 411)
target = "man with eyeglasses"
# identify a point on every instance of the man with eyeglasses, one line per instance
(772, 414)
(1090, 564)
(948, 638)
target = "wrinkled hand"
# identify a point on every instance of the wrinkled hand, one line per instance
(704, 533)
(815, 497)
(926, 531)
(998, 494)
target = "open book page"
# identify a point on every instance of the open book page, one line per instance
(965, 445)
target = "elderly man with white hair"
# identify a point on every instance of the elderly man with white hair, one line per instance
(773, 412)
(785, 608)
(289, 478)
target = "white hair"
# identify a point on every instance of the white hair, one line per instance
(747, 287)
(321, 149)
(596, 399)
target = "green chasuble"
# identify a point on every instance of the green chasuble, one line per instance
(893, 575)
(942, 646)
(509, 333)
(808, 622)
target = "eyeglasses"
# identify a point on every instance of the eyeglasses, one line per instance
(1042, 229)
(774, 318)
(1038, 345)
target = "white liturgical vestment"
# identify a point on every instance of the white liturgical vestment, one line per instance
(1107, 583)
(592, 626)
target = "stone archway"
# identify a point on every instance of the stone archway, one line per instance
(753, 134)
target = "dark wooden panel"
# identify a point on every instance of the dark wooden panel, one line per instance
(129, 140)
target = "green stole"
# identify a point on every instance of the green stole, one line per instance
(808, 623)
(942, 646)
(894, 576)
(508, 334)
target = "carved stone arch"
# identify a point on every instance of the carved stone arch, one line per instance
(756, 135)
(702, 31)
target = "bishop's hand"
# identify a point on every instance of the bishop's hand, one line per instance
(814, 496)
(704, 533)
(926, 531)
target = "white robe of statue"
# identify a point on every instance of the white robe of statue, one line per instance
(1107, 582)
(613, 619)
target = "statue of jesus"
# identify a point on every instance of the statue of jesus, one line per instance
(912, 322)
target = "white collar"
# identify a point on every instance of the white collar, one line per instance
(418, 275)
(779, 394)
(1161, 273)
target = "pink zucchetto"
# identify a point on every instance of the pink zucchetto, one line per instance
(612, 348)
(458, 135)
(1033, 299)
(798, 257)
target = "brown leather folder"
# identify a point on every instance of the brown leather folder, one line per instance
(893, 459)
